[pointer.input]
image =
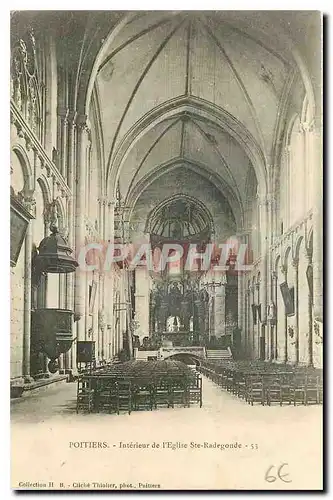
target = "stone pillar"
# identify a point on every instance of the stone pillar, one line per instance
(109, 279)
(258, 327)
(211, 314)
(80, 210)
(219, 319)
(71, 355)
(317, 258)
(62, 142)
(295, 263)
(27, 305)
(142, 301)
(274, 332)
(285, 326)
(265, 206)
(241, 307)
(247, 323)
(310, 314)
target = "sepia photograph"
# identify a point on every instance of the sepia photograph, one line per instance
(166, 250)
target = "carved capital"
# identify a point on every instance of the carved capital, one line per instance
(307, 126)
(82, 124)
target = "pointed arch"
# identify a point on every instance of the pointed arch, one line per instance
(199, 109)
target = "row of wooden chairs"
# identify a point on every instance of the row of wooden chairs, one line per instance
(107, 394)
(143, 369)
(269, 387)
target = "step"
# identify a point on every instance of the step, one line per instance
(36, 386)
(219, 354)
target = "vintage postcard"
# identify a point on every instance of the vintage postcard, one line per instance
(166, 257)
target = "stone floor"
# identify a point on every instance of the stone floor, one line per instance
(45, 426)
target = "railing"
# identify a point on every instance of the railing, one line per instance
(200, 351)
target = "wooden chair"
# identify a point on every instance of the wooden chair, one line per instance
(299, 389)
(313, 390)
(286, 381)
(124, 395)
(84, 395)
(107, 397)
(241, 386)
(178, 393)
(273, 392)
(255, 392)
(162, 393)
(143, 396)
(229, 381)
(194, 391)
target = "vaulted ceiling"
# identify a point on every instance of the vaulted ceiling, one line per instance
(158, 74)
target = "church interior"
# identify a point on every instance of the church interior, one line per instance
(191, 130)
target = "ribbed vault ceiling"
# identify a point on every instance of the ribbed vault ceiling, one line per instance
(216, 58)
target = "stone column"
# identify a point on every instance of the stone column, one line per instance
(71, 232)
(265, 204)
(284, 271)
(241, 306)
(219, 319)
(62, 142)
(211, 314)
(246, 322)
(109, 278)
(274, 341)
(142, 301)
(27, 305)
(310, 313)
(70, 355)
(317, 257)
(82, 137)
(258, 326)
(295, 266)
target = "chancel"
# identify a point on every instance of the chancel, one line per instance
(194, 135)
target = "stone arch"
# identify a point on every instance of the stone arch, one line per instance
(297, 246)
(290, 128)
(199, 109)
(98, 144)
(44, 185)
(204, 171)
(277, 263)
(285, 255)
(307, 111)
(23, 158)
(89, 77)
(309, 239)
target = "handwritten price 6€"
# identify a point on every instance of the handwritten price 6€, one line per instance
(281, 474)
